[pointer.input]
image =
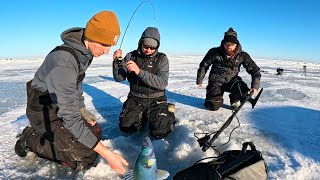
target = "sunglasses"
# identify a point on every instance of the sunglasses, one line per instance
(149, 47)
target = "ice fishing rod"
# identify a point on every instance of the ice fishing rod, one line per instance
(154, 17)
(205, 142)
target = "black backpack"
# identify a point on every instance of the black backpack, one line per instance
(234, 164)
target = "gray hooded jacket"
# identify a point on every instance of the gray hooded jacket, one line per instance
(58, 75)
(157, 80)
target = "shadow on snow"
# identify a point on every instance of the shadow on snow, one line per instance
(294, 128)
(180, 98)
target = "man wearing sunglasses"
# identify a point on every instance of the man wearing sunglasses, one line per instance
(147, 71)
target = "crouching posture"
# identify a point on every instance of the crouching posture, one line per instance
(226, 61)
(147, 71)
(62, 130)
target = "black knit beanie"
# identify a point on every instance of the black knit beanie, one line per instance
(230, 36)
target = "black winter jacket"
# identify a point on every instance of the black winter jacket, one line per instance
(223, 69)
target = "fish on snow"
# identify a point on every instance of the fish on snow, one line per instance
(145, 167)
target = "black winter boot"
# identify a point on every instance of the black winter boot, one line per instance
(21, 146)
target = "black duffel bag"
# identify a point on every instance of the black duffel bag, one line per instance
(233, 164)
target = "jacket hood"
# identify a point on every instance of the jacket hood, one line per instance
(150, 32)
(73, 37)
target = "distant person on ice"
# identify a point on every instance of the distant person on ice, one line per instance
(226, 61)
(62, 130)
(147, 71)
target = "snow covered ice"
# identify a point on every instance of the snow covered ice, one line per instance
(284, 125)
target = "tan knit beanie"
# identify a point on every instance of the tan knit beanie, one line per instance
(103, 28)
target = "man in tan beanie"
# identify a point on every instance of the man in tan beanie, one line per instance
(226, 61)
(62, 130)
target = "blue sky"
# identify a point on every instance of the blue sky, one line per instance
(272, 29)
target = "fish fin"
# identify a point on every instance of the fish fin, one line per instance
(129, 175)
(151, 162)
(162, 174)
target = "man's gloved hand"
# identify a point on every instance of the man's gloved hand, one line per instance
(88, 116)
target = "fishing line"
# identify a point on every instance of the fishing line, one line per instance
(125, 32)
(149, 101)
(154, 17)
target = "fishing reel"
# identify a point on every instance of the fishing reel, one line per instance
(119, 60)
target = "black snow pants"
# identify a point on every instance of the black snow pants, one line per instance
(139, 111)
(214, 96)
(52, 141)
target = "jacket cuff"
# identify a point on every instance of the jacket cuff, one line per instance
(141, 73)
(81, 104)
(95, 144)
(255, 86)
(90, 140)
